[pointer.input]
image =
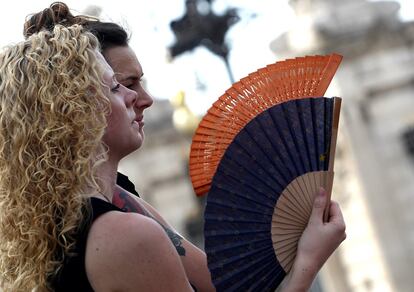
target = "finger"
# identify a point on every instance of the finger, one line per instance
(335, 213)
(318, 206)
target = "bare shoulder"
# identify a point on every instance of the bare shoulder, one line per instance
(126, 251)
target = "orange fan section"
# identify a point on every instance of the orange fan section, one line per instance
(282, 81)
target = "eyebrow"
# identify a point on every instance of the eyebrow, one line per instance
(130, 77)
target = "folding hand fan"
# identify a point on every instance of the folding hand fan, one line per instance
(290, 79)
(262, 152)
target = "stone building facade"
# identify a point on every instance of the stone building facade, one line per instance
(375, 167)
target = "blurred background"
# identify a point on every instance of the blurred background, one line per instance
(186, 71)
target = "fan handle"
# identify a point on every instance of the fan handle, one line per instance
(332, 149)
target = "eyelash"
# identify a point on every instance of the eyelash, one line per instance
(116, 88)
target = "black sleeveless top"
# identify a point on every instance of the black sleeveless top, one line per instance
(124, 182)
(73, 277)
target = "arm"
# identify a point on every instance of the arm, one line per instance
(317, 243)
(126, 252)
(193, 259)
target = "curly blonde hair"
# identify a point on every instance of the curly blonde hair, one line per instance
(52, 118)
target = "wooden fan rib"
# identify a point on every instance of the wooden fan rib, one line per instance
(201, 189)
(284, 216)
(298, 189)
(205, 145)
(198, 173)
(207, 148)
(288, 207)
(203, 163)
(231, 103)
(261, 83)
(288, 78)
(293, 193)
(312, 189)
(273, 92)
(286, 247)
(312, 70)
(288, 227)
(287, 261)
(281, 241)
(278, 74)
(255, 95)
(328, 73)
(277, 80)
(249, 106)
(286, 74)
(287, 256)
(199, 170)
(209, 127)
(334, 133)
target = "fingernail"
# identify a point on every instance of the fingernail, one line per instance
(321, 191)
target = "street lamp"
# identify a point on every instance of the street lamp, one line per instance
(206, 29)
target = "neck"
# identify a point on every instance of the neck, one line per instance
(107, 173)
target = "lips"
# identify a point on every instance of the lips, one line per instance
(139, 120)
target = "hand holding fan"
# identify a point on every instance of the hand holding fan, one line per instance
(269, 142)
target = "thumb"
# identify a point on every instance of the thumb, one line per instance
(318, 206)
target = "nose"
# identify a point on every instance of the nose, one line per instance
(144, 101)
(130, 97)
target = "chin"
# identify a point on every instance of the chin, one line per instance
(140, 139)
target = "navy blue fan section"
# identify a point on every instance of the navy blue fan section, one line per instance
(279, 145)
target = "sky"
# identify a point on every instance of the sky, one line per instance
(200, 74)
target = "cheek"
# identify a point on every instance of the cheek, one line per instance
(113, 123)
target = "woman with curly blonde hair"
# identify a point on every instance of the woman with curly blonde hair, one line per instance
(54, 109)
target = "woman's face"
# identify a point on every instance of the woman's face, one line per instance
(129, 73)
(123, 133)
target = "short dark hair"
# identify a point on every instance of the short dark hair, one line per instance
(109, 34)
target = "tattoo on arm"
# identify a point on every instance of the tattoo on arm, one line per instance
(175, 239)
(124, 201)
